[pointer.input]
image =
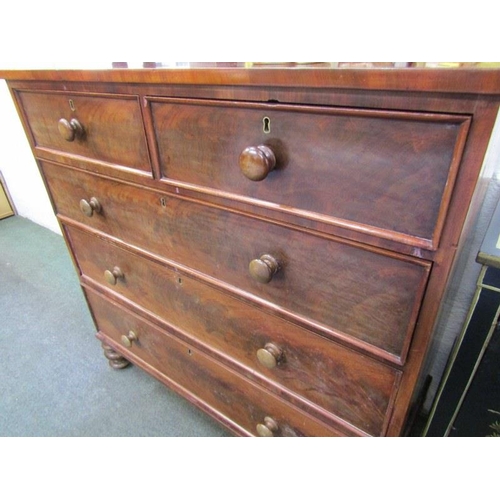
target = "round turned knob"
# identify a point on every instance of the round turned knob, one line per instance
(270, 355)
(268, 429)
(257, 162)
(129, 338)
(89, 207)
(70, 130)
(113, 276)
(264, 268)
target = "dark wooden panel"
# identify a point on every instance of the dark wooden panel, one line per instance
(469, 98)
(113, 130)
(386, 170)
(431, 80)
(344, 289)
(350, 385)
(352, 98)
(226, 393)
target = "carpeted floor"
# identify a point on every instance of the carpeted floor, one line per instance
(54, 379)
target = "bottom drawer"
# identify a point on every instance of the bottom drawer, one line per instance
(238, 403)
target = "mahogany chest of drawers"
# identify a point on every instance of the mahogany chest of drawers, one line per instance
(274, 245)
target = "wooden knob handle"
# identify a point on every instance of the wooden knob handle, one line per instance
(264, 268)
(113, 276)
(270, 355)
(129, 338)
(89, 207)
(269, 428)
(70, 130)
(257, 162)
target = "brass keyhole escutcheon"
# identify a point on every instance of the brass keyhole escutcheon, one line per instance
(72, 105)
(266, 125)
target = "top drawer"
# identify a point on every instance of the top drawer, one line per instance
(102, 127)
(382, 172)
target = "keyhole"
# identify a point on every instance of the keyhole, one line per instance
(71, 105)
(266, 125)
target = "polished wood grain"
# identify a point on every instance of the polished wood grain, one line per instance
(459, 81)
(208, 382)
(388, 170)
(112, 129)
(446, 120)
(470, 186)
(346, 290)
(416, 101)
(349, 385)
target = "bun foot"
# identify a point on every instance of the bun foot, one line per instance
(116, 361)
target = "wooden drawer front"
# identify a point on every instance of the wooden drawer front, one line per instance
(388, 170)
(352, 386)
(112, 125)
(203, 379)
(340, 288)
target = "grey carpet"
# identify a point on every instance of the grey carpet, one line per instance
(54, 379)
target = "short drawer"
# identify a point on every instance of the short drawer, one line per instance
(340, 381)
(224, 393)
(339, 288)
(100, 127)
(388, 170)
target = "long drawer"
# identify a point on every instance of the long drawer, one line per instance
(99, 127)
(393, 171)
(347, 384)
(237, 402)
(342, 289)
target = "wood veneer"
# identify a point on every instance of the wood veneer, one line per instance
(112, 126)
(388, 170)
(376, 172)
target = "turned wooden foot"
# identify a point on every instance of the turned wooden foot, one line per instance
(116, 361)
